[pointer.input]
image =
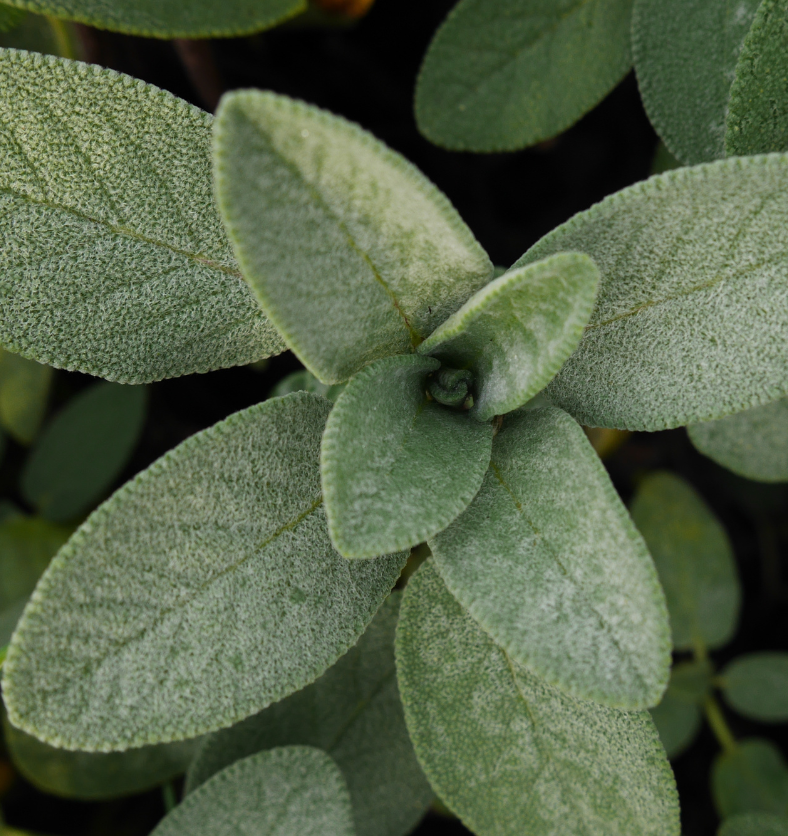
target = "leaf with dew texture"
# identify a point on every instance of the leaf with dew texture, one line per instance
(756, 685)
(202, 591)
(750, 778)
(351, 251)
(24, 391)
(116, 261)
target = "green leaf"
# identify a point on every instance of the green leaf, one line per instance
(756, 685)
(547, 560)
(677, 722)
(294, 791)
(691, 682)
(193, 19)
(199, 593)
(304, 381)
(118, 264)
(751, 778)
(752, 443)
(694, 559)
(516, 333)
(350, 250)
(24, 390)
(83, 450)
(397, 466)
(38, 33)
(757, 117)
(353, 712)
(503, 74)
(755, 824)
(508, 753)
(686, 316)
(91, 777)
(10, 17)
(9, 618)
(685, 54)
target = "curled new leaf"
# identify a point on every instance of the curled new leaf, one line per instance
(202, 591)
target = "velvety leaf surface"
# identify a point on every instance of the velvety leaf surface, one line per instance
(694, 559)
(117, 263)
(91, 776)
(755, 824)
(192, 19)
(694, 264)
(353, 712)
(756, 685)
(685, 57)
(24, 389)
(199, 593)
(752, 778)
(677, 722)
(83, 450)
(293, 791)
(508, 753)
(757, 121)
(516, 332)
(547, 560)
(503, 74)
(351, 251)
(397, 466)
(752, 443)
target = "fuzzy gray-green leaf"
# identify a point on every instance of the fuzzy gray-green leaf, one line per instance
(202, 591)
(353, 712)
(694, 265)
(351, 251)
(508, 753)
(757, 119)
(24, 391)
(547, 560)
(751, 778)
(116, 262)
(516, 332)
(397, 466)
(685, 57)
(503, 74)
(756, 685)
(755, 824)
(292, 791)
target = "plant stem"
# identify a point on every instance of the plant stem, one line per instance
(169, 797)
(718, 724)
(65, 44)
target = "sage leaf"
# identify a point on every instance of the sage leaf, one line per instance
(757, 119)
(91, 776)
(9, 618)
(120, 266)
(547, 560)
(694, 560)
(195, 19)
(685, 58)
(510, 754)
(304, 381)
(199, 593)
(293, 791)
(693, 264)
(755, 824)
(756, 685)
(24, 390)
(677, 722)
(516, 332)
(397, 467)
(353, 713)
(503, 74)
(751, 778)
(752, 443)
(691, 681)
(83, 450)
(351, 251)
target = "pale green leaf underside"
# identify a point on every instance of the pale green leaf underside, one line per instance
(353, 712)
(547, 560)
(503, 74)
(351, 251)
(677, 722)
(516, 332)
(91, 776)
(202, 591)
(24, 390)
(752, 443)
(397, 467)
(292, 791)
(83, 450)
(116, 262)
(694, 560)
(756, 685)
(690, 308)
(757, 121)
(752, 778)
(186, 19)
(755, 824)
(685, 57)
(508, 753)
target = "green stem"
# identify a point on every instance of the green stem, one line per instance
(169, 797)
(65, 44)
(718, 724)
